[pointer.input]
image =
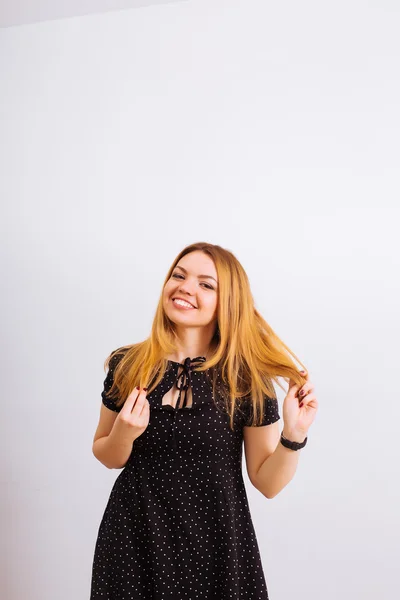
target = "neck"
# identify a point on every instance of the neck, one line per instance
(192, 343)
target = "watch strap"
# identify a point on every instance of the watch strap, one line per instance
(292, 445)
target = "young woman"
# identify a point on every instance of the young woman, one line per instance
(176, 409)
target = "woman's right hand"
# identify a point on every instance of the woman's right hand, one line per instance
(134, 416)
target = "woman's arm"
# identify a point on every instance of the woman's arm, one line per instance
(299, 409)
(278, 469)
(113, 450)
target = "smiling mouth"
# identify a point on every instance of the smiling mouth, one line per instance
(182, 303)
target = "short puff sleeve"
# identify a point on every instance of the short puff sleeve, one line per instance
(108, 382)
(270, 412)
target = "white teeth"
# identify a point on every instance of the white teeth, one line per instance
(183, 303)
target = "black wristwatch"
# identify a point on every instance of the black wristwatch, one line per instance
(292, 445)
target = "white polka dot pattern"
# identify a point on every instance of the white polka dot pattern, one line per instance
(177, 525)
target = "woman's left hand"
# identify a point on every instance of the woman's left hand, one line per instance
(297, 419)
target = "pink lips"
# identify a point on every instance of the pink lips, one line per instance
(182, 307)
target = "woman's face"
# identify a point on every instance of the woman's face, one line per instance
(194, 280)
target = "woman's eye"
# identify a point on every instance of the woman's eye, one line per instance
(179, 276)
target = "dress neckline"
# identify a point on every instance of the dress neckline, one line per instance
(198, 358)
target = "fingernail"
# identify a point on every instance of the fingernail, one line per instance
(302, 371)
(145, 389)
(301, 404)
(302, 392)
(138, 388)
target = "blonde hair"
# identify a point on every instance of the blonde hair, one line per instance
(248, 356)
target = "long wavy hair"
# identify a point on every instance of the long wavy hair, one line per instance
(249, 355)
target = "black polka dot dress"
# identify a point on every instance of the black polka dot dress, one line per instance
(177, 525)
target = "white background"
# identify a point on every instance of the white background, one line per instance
(271, 129)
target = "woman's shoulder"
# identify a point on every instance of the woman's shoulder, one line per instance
(115, 356)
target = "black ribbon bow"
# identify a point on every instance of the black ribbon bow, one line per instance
(183, 381)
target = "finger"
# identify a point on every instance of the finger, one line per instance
(143, 407)
(131, 399)
(293, 391)
(145, 410)
(140, 400)
(313, 401)
(306, 388)
(292, 383)
(295, 387)
(310, 401)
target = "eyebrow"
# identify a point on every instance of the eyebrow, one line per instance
(199, 276)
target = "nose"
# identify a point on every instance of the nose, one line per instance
(186, 288)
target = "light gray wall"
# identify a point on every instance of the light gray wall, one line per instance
(271, 129)
(21, 12)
